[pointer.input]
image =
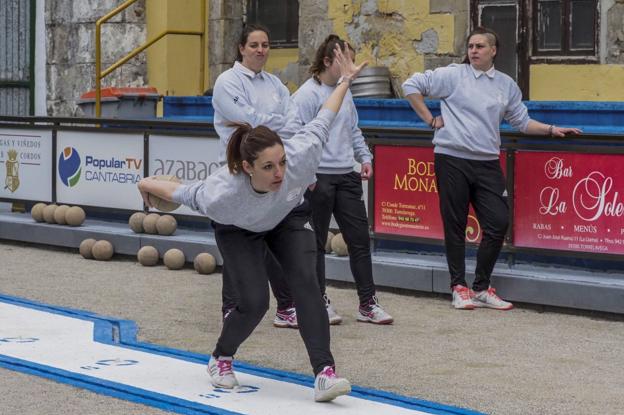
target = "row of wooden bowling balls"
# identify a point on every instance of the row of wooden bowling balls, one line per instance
(174, 259)
(62, 215)
(152, 223)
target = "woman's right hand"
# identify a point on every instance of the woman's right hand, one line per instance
(142, 185)
(348, 69)
(437, 122)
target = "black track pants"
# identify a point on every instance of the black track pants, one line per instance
(292, 244)
(341, 195)
(462, 182)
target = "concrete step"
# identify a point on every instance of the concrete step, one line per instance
(535, 284)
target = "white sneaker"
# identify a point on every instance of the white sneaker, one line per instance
(373, 313)
(328, 386)
(488, 298)
(221, 373)
(286, 318)
(334, 317)
(462, 298)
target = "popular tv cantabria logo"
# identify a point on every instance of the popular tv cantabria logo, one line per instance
(69, 166)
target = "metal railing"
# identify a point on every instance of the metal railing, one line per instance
(99, 74)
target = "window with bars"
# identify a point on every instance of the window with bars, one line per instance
(565, 27)
(281, 17)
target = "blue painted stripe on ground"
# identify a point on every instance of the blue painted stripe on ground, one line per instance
(116, 390)
(127, 330)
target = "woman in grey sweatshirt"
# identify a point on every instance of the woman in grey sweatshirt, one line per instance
(256, 203)
(246, 93)
(338, 188)
(474, 98)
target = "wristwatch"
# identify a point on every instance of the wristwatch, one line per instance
(344, 79)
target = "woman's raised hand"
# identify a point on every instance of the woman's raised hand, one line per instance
(348, 69)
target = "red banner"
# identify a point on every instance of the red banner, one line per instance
(406, 195)
(569, 201)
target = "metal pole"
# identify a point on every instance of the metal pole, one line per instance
(98, 55)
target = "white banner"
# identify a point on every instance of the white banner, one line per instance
(99, 169)
(189, 158)
(26, 164)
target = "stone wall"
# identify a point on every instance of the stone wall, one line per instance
(404, 35)
(615, 32)
(225, 25)
(70, 38)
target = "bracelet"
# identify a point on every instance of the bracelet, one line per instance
(344, 79)
(550, 130)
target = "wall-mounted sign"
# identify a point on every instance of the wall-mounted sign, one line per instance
(406, 194)
(99, 169)
(189, 158)
(26, 164)
(569, 201)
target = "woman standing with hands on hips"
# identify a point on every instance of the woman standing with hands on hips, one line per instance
(474, 99)
(256, 202)
(246, 93)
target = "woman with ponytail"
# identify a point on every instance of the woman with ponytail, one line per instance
(257, 204)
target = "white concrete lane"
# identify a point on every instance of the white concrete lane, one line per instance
(66, 346)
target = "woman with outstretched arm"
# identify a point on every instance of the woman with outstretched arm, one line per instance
(256, 202)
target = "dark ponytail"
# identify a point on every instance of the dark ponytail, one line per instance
(246, 143)
(326, 50)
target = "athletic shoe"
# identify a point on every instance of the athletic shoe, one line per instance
(462, 298)
(328, 386)
(221, 373)
(286, 318)
(373, 313)
(334, 318)
(488, 298)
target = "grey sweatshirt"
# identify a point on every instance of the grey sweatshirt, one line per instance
(229, 198)
(473, 104)
(346, 143)
(240, 95)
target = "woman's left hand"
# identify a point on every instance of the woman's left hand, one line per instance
(367, 171)
(562, 132)
(348, 69)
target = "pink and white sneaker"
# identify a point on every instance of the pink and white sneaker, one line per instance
(489, 299)
(373, 313)
(328, 386)
(286, 318)
(462, 298)
(221, 373)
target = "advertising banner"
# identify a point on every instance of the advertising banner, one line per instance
(406, 194)
(569, 201)
(189, 158)
(26, 164)
(99, 169)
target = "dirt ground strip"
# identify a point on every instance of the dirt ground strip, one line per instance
(525, 361)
